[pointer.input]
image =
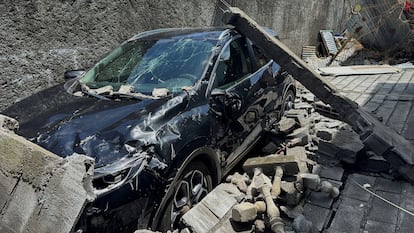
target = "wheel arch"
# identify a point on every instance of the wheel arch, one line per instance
(197, 152)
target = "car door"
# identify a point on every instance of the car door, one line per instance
(239, 98)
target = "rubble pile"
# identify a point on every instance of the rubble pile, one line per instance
(271, 192)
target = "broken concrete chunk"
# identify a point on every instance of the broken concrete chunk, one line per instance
(344, 145)
(246, 211)
(298, 133)
(325, 134)
(38, 185)
(291, 194)
(327, 187)
(270, 148)
(304, 106)
(268, 164)
(286, 125)
(239, 180)
(259, 225)
(8, 123)
(300, 116)
(311, 181)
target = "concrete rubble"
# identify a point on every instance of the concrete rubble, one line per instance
(293, 190)
(282, 190)
(40, 192)
(376, 136)
(275, 189)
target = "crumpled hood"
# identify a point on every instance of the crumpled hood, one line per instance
(104, 130)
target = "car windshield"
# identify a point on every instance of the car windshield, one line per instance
(172, 64)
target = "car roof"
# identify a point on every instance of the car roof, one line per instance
(199, 32)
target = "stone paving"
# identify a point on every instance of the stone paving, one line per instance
(357, 211)
(389, 96)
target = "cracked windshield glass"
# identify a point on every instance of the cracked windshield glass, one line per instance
(144, 66)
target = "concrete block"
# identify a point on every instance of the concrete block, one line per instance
(325, 134)
(286, 125)
(244, 212)
(200, 219)
(268, 164)
(45, 192)
(345, 145)
(219, 202)
(311, 181)
(8, 123)
(291, 195)
(301, 116)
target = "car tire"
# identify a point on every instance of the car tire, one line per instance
(288, 102)
(193, 184)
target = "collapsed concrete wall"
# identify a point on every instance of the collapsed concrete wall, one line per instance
(42, 39)
(39, 191)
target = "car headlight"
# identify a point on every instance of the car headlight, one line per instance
(113, 176)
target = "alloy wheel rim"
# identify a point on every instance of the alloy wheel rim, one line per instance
(191, 189)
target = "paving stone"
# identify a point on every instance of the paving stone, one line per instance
(331, 172)
(408, 190)
(379, 227)
(349, 217)
(320, 199)
(405, 220)
(317, 215)
(351, 190)
(387, 185)
(200, 219)
(219, 202)
(383, 212)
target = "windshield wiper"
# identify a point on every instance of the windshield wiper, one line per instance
(106, 92)
(92, 92)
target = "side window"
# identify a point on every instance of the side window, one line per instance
(233, 64)
(261, 59)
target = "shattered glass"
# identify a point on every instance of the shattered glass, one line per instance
(173, 64)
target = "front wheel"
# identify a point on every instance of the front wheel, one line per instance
(194, 184)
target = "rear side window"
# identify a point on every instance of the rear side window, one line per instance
(261, 59)
(233, 64)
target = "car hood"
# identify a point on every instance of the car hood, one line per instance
(104, 130)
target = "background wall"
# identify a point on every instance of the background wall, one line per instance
(39, 40)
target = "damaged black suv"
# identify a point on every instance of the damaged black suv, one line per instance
(165, 116)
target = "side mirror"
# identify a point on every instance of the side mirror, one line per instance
(71, 74)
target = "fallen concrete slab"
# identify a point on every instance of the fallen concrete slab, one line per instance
(382, 140)
(39, 191)
(358, 70)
